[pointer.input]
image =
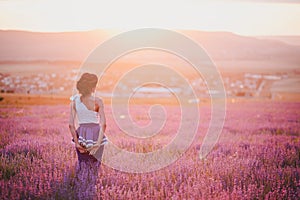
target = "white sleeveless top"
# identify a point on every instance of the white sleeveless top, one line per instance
(84, 115)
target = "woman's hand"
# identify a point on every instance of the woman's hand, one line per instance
(80, 148)
(96, 146)
(93, 149)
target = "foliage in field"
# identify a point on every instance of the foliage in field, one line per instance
(257, 156)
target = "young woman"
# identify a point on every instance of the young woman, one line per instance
(89, 137)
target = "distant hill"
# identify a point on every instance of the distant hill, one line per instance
(26, 46)
(229, 46)
(292, 40)
(76, 46)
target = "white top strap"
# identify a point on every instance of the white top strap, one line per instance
(72, 98)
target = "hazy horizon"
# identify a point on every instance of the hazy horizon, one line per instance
(112, 31)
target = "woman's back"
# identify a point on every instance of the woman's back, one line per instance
(84, 114)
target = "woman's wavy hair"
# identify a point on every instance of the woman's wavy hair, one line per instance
(86, 83)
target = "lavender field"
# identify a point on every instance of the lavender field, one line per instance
(257, 156)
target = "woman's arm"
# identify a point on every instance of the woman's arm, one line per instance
(102, 120)
(72, 122)
(95, 147)
(72, 127)
(102, 115)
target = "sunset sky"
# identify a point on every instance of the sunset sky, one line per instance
(245, 17)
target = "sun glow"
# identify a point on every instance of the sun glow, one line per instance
(242, 17)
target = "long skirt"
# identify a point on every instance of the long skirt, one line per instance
(87, 168)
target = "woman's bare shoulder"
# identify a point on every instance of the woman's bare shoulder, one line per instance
(99, 100)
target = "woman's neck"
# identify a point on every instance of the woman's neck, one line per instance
(86, 96)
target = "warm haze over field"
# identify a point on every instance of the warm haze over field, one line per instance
(227, 127)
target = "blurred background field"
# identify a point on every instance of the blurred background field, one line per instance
(251, 67)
